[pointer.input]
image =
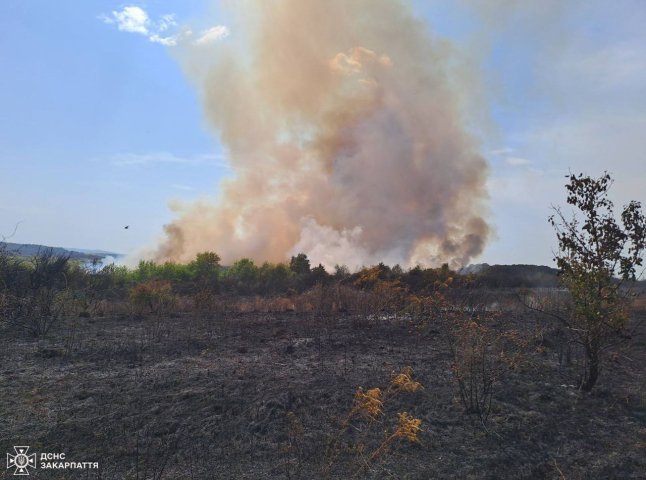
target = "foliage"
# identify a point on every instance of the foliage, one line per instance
(367, 294)
(14, 273)
(169, 271)
(304, 276)
(275, 278)
(367, 278)
(205, 270)
(242, 277)
(516, 276)
(152, 295)
(300, 264)
(428, 280)
(318, 275)
(592, 251)
(34, 291)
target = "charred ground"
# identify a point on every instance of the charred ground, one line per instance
(260, 394)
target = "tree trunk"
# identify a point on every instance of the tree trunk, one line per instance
(592, 370)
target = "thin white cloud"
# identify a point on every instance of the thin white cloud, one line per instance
(167, 21)
(164, 31)
(169, 41)
(517, 161)
(506, 153)
(139, 159)
(212, 35)
(501, 151)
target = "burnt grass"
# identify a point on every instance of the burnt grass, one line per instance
(262, 395)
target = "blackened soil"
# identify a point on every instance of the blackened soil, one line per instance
(261, 396)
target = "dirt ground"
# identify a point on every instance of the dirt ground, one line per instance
(259, 396)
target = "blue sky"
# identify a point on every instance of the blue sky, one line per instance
(100, 127)
(78, 98)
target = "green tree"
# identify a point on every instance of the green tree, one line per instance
(319, 274)
(205, 269)
(597, 255)
(243, 276)
(275, 278)
(300, 264)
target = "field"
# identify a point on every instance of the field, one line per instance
(259, 395)
(323, 240)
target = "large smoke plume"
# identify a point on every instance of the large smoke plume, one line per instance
(345, 137)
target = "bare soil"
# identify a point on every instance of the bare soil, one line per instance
(259, 396)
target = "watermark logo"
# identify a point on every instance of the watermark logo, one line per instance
(21, 462)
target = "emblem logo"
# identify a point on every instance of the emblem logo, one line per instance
(21, 461)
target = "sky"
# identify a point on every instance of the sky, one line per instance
(100, 126)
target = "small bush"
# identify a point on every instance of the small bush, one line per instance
(476, 368)
(368, 431)
(155, 296)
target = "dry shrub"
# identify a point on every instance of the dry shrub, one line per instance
(293, 448)
(389, 296)
(281, 304)
(205, 301)
(274, 305)
(152, 296)
(37, 312)
(476, 367)
(5, 303)
(247, 305)
(320, 299)
(316, 300)
(264, 305)
(253, 305)
(338, 298)
(482, 348)
(112, 307)
(370, 431)
(183, 303)
(639, 302)
(345, 298)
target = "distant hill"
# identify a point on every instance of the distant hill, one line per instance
(29, 250)
(102, 253)
(513, 276)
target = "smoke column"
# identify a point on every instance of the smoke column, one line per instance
(345, 138)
